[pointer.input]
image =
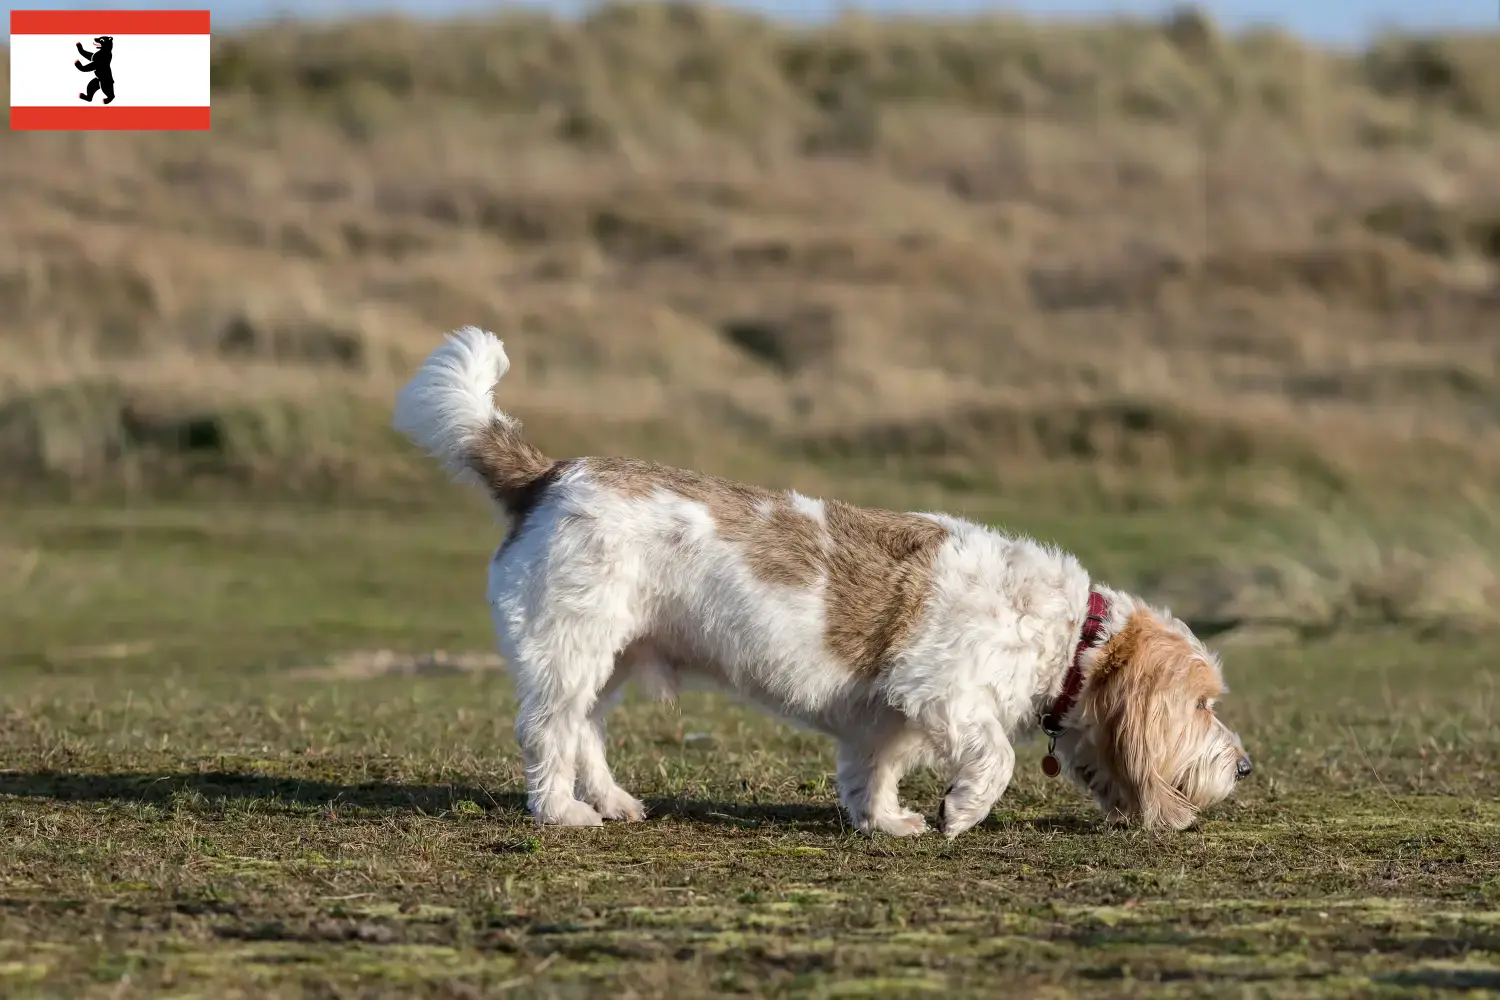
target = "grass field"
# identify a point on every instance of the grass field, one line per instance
(1216, 312)
(206, 793)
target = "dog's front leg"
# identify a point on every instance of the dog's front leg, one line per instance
(984, 762)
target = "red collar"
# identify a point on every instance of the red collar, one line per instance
(1093, 629)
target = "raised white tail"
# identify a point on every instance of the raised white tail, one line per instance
(447, 408)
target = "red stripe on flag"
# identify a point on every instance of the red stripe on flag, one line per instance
(109, 22)
(109, 119)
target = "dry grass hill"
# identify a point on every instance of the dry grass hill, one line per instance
(991, 264)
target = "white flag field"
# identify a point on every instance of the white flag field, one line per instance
(109, 69)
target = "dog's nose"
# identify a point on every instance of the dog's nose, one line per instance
(1244, 767)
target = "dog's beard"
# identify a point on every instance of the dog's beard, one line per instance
(1209, 776)
(1199, 769)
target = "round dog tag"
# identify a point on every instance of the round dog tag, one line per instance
(1051, 766)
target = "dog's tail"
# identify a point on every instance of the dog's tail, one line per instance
(447, 409)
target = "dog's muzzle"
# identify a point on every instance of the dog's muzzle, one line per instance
(1243, 768)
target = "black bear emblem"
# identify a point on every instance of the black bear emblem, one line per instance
(104, 77)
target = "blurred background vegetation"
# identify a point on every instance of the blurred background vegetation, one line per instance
(1218, 310)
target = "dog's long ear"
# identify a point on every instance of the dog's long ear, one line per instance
(1139, 702)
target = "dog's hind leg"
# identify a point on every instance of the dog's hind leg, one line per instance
(596, 784)
(548, 728)
(560, 671)
(565, 602)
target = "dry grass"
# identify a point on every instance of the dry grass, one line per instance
(1123, 266)
(997, 244)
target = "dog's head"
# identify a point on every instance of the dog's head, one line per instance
(1145, 739)
(105, 42)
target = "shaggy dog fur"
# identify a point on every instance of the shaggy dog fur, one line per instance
(908, 638)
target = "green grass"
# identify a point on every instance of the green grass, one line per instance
(185, 811)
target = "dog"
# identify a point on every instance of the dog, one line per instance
(909, 638)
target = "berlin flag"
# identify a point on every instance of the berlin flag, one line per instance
(109, 69)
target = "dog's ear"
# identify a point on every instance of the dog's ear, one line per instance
(1139, 703)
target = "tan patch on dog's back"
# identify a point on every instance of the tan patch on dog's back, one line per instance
(877, 564)
(781, 544)
(879, 577)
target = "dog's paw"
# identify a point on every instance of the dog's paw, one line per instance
(903, 824)
(953, 820)
(618, 804)
(573, 813)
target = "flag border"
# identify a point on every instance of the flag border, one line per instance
(95, 118)
(109, 22)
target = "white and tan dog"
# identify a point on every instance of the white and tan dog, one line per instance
(908, 638)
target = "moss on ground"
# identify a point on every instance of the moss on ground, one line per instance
(189, 813)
